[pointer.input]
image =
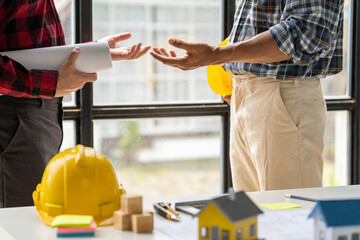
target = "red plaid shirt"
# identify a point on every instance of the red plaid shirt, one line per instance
(28, 24)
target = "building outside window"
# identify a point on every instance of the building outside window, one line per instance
(144, 152)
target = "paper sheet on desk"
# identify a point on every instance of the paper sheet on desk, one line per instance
(186, 228)
(93, 57)
(286, 225)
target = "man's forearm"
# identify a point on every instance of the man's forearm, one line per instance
(259, 49)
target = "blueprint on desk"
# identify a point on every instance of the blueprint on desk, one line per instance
(286, 225)
(272, 225)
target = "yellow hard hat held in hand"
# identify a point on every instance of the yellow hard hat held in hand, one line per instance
(81, 181)
(219, 80)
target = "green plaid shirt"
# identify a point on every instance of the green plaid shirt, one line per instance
(310, 31)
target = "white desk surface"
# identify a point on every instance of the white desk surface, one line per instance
(24, 222)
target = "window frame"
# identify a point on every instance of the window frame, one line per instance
(84, 112)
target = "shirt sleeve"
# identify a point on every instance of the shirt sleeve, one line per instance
(17, 81)
(307, 28)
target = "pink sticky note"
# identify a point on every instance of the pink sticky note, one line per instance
(77, 229)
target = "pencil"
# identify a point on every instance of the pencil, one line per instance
(301, 198)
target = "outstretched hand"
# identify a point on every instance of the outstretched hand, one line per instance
(124, 53)
(197, 55)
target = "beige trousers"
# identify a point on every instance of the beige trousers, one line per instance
(277, 133)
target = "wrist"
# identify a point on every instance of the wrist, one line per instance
(220, 55)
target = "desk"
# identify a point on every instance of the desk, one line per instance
(24, 222)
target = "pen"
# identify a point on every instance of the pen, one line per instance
(164, 213)
(301, 198)
(167, 206)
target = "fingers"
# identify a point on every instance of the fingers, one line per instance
(143, 50)
(71, 80)
(161, 52)
(87, 77)
(73, 56)
(157, 50)
(124, 53)
(172, 53)
(181, 44)
(227, 98)
(138, 51)
(164, 52)
(122, 37)
(167, 60)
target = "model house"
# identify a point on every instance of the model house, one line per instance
(229, 217)
(337, 220)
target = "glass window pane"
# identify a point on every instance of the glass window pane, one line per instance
(154, 158)
(69, 139)
(338, 85)
(65, 11)
(225, 235)
(204, 232)
(153, 22)
(336, 151)
(252, 230)
(239, 234)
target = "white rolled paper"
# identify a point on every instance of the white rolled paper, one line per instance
(93, 57)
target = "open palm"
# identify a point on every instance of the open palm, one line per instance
(124, 53)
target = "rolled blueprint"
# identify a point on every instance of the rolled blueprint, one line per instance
(93, 57)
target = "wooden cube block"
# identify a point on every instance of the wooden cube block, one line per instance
(131, 204)
(142, 223)
(122, 221)
(148, 212)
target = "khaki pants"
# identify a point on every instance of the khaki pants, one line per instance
(277, 133)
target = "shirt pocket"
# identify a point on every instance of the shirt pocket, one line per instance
(264, 12)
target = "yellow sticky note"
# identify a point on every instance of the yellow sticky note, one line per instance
(68, 220)
(280, 205)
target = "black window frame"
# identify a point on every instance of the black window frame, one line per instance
(84, 112)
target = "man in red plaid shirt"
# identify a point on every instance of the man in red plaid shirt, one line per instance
(30, 101)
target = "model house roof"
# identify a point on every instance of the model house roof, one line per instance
(235, 209)
(338, 212)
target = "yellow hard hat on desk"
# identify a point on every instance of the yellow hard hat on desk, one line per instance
(80, 181)
(219, 80)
